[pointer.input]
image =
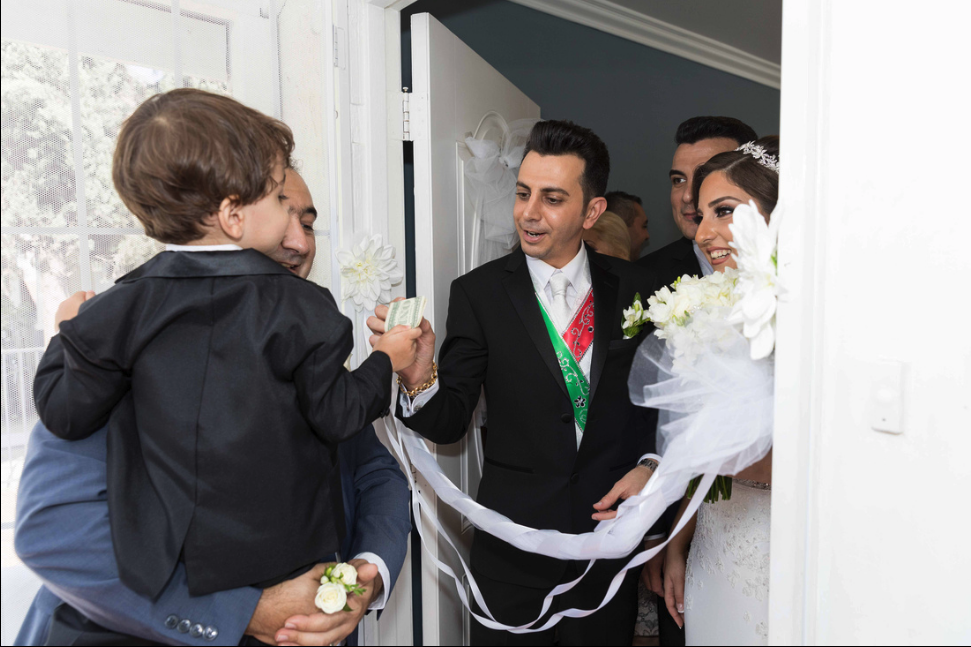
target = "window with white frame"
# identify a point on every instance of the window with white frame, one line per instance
(72, 70)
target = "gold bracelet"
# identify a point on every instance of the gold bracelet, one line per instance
(424, 387)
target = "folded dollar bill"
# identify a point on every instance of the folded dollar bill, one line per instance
(405, 313)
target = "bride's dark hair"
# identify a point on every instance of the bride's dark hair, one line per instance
(745, 172)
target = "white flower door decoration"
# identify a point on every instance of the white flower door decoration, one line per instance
(368, 272)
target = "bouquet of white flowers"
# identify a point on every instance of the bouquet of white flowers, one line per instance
(339, 581)
(713, 370)
(758, 286)
(689, 314)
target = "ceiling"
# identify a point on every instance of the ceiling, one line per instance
(753, 26)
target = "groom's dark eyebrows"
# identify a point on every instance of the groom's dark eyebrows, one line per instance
(674, 172)
(548, 189)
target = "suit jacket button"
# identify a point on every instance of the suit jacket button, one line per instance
(567, 417)
(575, 478)
(172, 622)
(211, 633)
(184, 626)
(197, 631)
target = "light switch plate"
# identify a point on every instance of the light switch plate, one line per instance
(887, 397)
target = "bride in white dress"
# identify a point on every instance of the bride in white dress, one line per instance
(719, 588)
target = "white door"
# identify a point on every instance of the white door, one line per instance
(456, 95)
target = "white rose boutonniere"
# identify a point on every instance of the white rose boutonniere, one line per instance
(634, 318)
(346, 573)
(339, 581)
(331, 598)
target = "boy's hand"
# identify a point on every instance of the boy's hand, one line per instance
(70, 306)
(399, 344)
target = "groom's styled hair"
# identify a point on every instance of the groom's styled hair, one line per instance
(567, 138)
(696, 129)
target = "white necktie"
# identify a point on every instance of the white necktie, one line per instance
(561, 309)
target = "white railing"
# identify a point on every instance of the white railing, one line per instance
(17, 368)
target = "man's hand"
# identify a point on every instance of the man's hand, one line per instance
(323, 629)
(70, 306)
(419, 372)
(630, 485)
(652, 574)
(282, 601)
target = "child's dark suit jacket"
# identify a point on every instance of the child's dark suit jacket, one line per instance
(221, 377)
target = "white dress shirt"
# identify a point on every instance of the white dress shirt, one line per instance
(578, 271)
(203, 248)
(380, 602)
(706, 267)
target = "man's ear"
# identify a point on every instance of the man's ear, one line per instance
(595, 209)
(230, 218)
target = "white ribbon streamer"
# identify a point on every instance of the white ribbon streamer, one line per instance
(612, 539)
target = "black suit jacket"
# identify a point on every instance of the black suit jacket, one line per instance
(672, 261)
(221, 378)
(534, 473)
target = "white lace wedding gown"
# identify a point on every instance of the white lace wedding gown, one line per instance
(726, 592)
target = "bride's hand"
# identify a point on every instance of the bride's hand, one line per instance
(675, 563)
(632, 484)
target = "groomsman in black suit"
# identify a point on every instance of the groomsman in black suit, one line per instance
(554, 449)
(698, 139)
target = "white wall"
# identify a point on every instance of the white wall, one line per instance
(870, 530)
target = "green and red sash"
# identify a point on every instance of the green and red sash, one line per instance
(570, 349)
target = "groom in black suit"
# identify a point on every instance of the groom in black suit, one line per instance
(698, 139)
(552, 450)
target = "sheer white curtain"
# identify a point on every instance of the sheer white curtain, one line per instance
(72, 70)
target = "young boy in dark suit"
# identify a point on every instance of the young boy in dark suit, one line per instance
(220, 373)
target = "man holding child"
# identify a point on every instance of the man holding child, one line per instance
(214, 483)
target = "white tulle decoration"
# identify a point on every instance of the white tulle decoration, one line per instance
(758, 288)
(491, 182)
(715, 413)
(368, 273)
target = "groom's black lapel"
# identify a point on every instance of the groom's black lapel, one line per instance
(520, 288)
(605, 286)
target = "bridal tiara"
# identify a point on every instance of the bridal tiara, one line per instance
(763, 158)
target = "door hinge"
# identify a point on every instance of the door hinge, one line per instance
(338, 47)
(406, 115)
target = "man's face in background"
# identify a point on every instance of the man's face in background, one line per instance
(687, 158)
(299, 246)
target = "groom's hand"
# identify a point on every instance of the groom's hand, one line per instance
(630, 485)
(282, 601)
(419, 372)
(323, 629)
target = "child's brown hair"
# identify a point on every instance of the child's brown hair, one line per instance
(181, 153)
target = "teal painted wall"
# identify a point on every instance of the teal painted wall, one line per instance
(631, 95)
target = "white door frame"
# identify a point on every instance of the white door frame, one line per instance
(364, 135)
(795, 467)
